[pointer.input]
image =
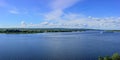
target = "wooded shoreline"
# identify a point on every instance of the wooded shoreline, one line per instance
(44, 30)
(38, 30)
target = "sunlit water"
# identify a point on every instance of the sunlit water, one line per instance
(58, 46)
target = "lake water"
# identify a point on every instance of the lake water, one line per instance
(58, 46)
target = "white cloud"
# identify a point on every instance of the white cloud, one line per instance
(73, 20)
(13, 12)
(10, 8)
(58, 7)
(62, 4)
(54, 15)
(23, 24)
(44, 23)
(87, 22)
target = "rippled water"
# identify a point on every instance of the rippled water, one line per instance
(58, 46)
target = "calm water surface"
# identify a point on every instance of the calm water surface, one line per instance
(58, 46)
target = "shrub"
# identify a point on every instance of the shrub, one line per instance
(115, 56)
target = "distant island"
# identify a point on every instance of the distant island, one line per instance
(44, 30)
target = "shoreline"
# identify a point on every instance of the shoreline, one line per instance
(47, 30)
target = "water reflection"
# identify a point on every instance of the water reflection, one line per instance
(58, 46)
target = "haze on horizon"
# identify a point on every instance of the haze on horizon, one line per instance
(94, 14)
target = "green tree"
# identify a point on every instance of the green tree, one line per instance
(107, 58)
(116, 56)
(100, 58)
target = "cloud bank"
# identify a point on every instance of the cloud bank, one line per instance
(57, 18)
(82, 22)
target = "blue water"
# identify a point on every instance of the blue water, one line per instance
(58, 46)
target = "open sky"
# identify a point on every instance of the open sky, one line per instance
(97, 14)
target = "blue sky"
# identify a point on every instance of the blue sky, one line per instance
(97, 14)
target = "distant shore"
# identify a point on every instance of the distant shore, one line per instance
(37, 30)
(44, 30)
